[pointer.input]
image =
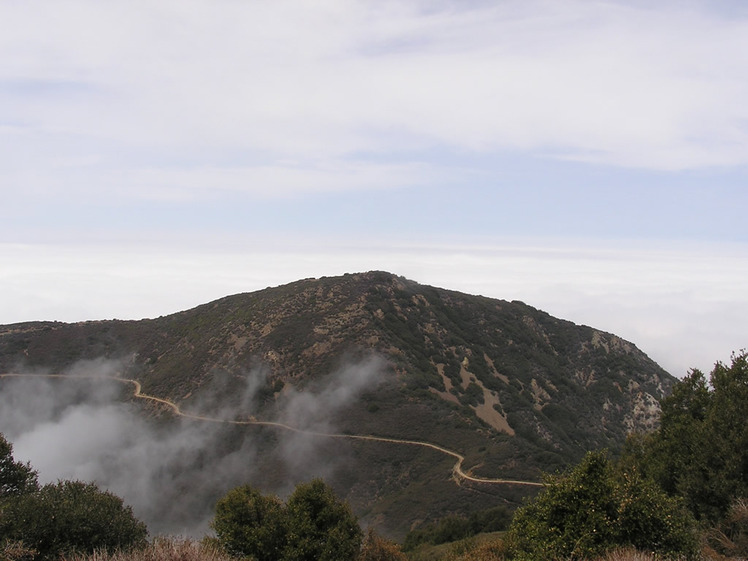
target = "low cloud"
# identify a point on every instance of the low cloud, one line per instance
(683, 304)
(315, 410)
(172, 471)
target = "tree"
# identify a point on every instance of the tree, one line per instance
(15, 477)
(321, 527)
(595, 508)
(69, 517)
(248, 523)
(700, 451)
(314, 525)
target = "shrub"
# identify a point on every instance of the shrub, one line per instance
(16, 478)
(594, 509)
(314, 525)
(376, 548)
(250, 524)
(321, 527)
(71, 516)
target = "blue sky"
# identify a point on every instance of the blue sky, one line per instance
(587, 157)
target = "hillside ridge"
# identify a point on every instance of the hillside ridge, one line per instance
(509, 387)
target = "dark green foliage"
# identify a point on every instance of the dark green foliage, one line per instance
(563, 417)
(446, 530)
(15, 477)
(594, 509)
(649, 520)
(453, 528)
(321, 527)
(314, 525)
(62, 518)
(473, 395)
(70, 517)
(700, 451)
(493, 519)
(250, 524)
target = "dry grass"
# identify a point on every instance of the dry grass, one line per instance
(377, 548)
(730, 539)
(15, 551)
(492, 551)
(473, 550)
(629, 554)
(495, 551)
(162, 549)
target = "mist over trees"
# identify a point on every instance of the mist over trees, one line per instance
(62, 518)
(16, 478)
(149, 464)
(671, 492)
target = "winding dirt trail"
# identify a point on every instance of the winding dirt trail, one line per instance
(457, 470)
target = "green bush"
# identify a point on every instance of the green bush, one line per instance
(61, 518)
(314, 525)
(70, 517)
(453, 528)
(16, 478)
(594, 509)
(250, 524)
(322, 528)
(473, 395)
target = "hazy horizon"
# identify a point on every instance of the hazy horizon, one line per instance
(587, 158)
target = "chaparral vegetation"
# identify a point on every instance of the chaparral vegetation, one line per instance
(679, 492)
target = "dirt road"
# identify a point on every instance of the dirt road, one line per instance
(457, 471)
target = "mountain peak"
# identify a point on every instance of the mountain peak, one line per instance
(514, 389)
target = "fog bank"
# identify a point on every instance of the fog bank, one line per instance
(172, 470)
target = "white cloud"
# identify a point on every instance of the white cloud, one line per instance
(684, 306)
(282, 179)
(79, 431)
(657, 87)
